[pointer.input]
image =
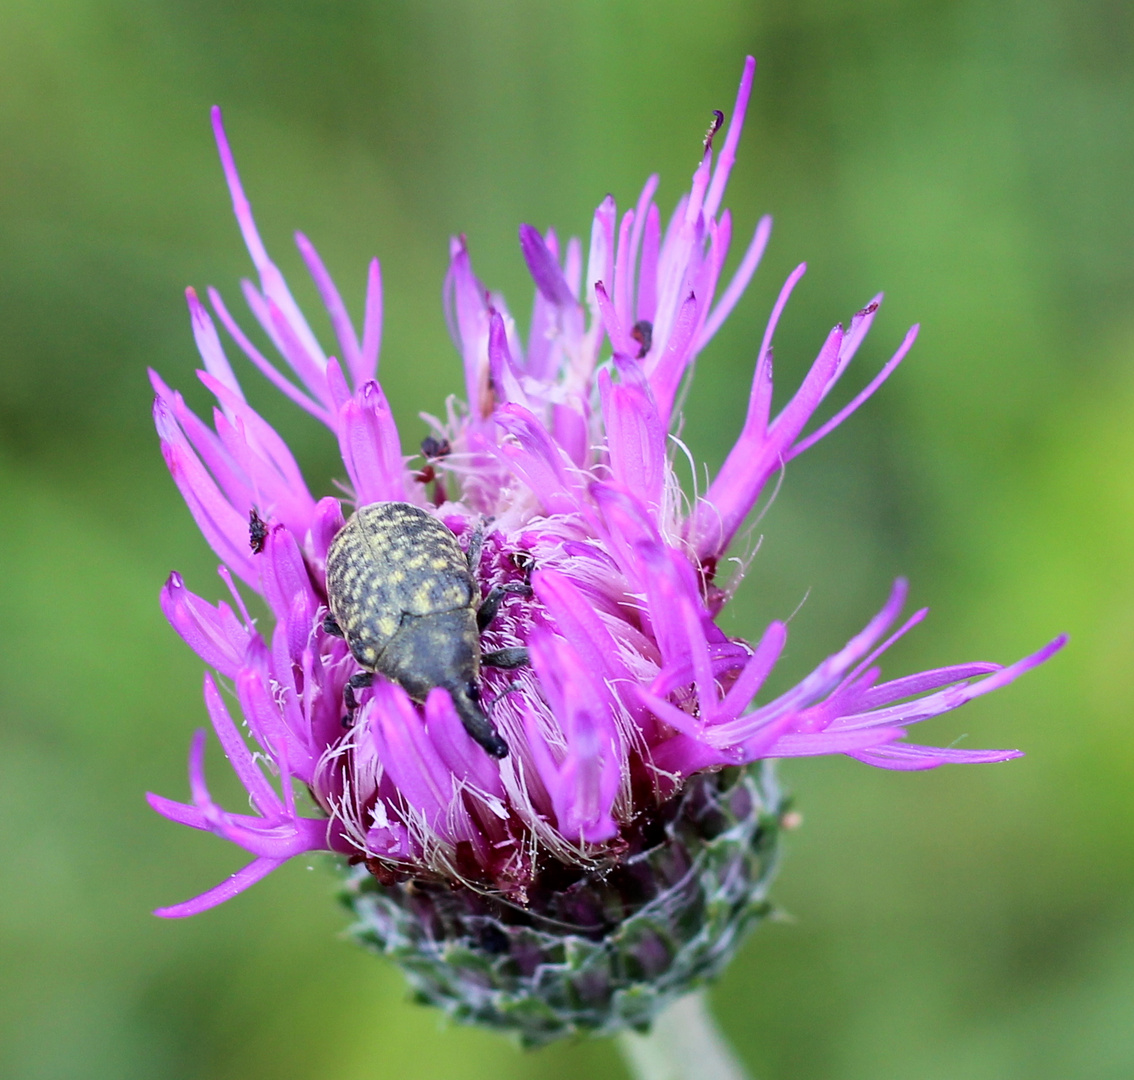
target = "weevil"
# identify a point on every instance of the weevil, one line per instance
(403, 595)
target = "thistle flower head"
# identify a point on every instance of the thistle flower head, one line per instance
(623, 725)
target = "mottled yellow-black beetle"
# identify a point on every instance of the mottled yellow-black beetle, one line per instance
(402, 593)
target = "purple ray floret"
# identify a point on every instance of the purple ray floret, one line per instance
(561, 464)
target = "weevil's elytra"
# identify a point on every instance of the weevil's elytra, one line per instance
(401, 593)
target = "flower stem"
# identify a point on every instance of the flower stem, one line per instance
(683, 1044)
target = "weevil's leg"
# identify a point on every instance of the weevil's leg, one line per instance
(476, 543)
(490, 605)
(332, 627)
(511, 688)
(356, 682)
(505, 658)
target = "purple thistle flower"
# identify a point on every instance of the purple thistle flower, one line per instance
(560, 460)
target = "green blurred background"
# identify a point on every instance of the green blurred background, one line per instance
(973, 159)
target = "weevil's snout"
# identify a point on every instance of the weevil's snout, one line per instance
(466, 700)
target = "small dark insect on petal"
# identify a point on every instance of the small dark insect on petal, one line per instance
(714, 127)
(435, 448)
(432, 449)
(522, 560)
(643, 333)
(257, 532)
